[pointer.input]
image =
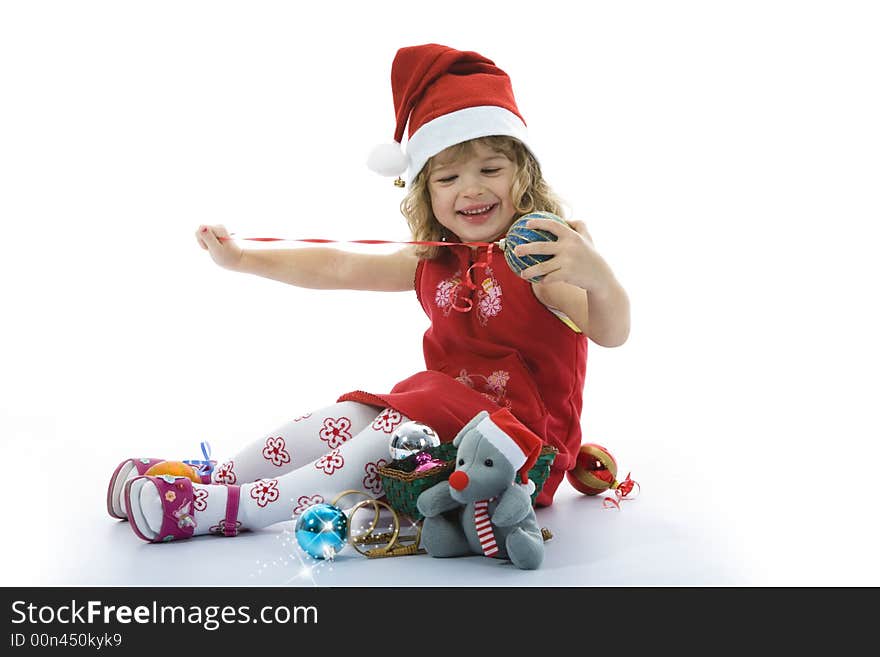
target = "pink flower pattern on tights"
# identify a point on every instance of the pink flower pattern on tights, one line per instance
(331, 462)
(335, 431)
(387, 420)
(265, 491)
(275, 453)
(305, 501)
(200, 498)
(225, 473)
(373, 482)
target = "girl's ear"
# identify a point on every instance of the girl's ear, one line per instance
(479, 417)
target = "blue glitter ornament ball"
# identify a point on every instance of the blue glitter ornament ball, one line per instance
(518, 234)
(322, 531)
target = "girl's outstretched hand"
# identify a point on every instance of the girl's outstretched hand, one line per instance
(575, 259)
(225, 253)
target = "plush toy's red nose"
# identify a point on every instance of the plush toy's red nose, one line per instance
(458, 480)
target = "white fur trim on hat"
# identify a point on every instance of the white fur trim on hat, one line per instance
(505, 444)
(456, 127)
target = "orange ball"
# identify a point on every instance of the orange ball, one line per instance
(595, 470)
(175, 469)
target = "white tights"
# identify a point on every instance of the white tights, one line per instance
(308, 460)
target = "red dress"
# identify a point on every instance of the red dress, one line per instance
(492, 344)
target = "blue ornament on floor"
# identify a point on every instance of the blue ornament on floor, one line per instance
(322, 530)
(518, 234)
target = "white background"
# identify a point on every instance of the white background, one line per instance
(723, 154)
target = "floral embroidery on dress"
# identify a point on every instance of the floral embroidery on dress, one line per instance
(331, 462)
(335, 431)
(373, 482)
(492, 387)
(446, 291)
(265, 491)
(274, 451)
(305, 501)
(302, 417)
(497, 382)
(488, 296)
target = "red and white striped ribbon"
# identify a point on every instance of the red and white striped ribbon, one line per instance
(484, 528)
(321, 240)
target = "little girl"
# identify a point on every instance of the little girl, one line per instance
(496, 341)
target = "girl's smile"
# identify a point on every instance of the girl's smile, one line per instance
(478, 214)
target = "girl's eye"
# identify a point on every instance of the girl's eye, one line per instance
(447, 179)
(491, 171)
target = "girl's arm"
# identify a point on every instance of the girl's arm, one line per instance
(316, 268)
(578, 282)
(603, 315)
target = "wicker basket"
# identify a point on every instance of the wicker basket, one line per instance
(403, 486)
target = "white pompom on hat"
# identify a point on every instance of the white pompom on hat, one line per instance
(388, 160)
(442, 97)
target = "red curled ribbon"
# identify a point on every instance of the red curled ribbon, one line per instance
(468, 282)
(621, 490)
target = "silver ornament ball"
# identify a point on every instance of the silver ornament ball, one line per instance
(411, 438)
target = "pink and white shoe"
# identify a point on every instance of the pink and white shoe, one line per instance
(164, 508)
(129, 469)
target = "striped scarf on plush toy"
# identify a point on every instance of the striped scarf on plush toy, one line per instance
(483, 525)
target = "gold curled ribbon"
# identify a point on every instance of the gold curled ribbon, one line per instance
(352, 491)
(393, 543)
(346, 493)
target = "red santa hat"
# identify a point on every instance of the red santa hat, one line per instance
(513, 439)
(444, 96)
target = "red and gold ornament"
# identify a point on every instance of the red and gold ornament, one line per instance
(595, 471)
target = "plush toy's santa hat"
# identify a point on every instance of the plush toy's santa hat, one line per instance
(513, 439)
(444, 96)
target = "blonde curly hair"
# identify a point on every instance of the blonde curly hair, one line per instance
(530, 192)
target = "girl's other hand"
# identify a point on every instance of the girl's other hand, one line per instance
(225, 253)
(575, 259)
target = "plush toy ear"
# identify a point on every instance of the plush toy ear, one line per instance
(479, 417)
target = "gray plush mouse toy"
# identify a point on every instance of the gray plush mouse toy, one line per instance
(495, 515)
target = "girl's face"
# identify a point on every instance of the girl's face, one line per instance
(470, 196)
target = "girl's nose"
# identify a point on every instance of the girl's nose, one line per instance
(472, 187)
